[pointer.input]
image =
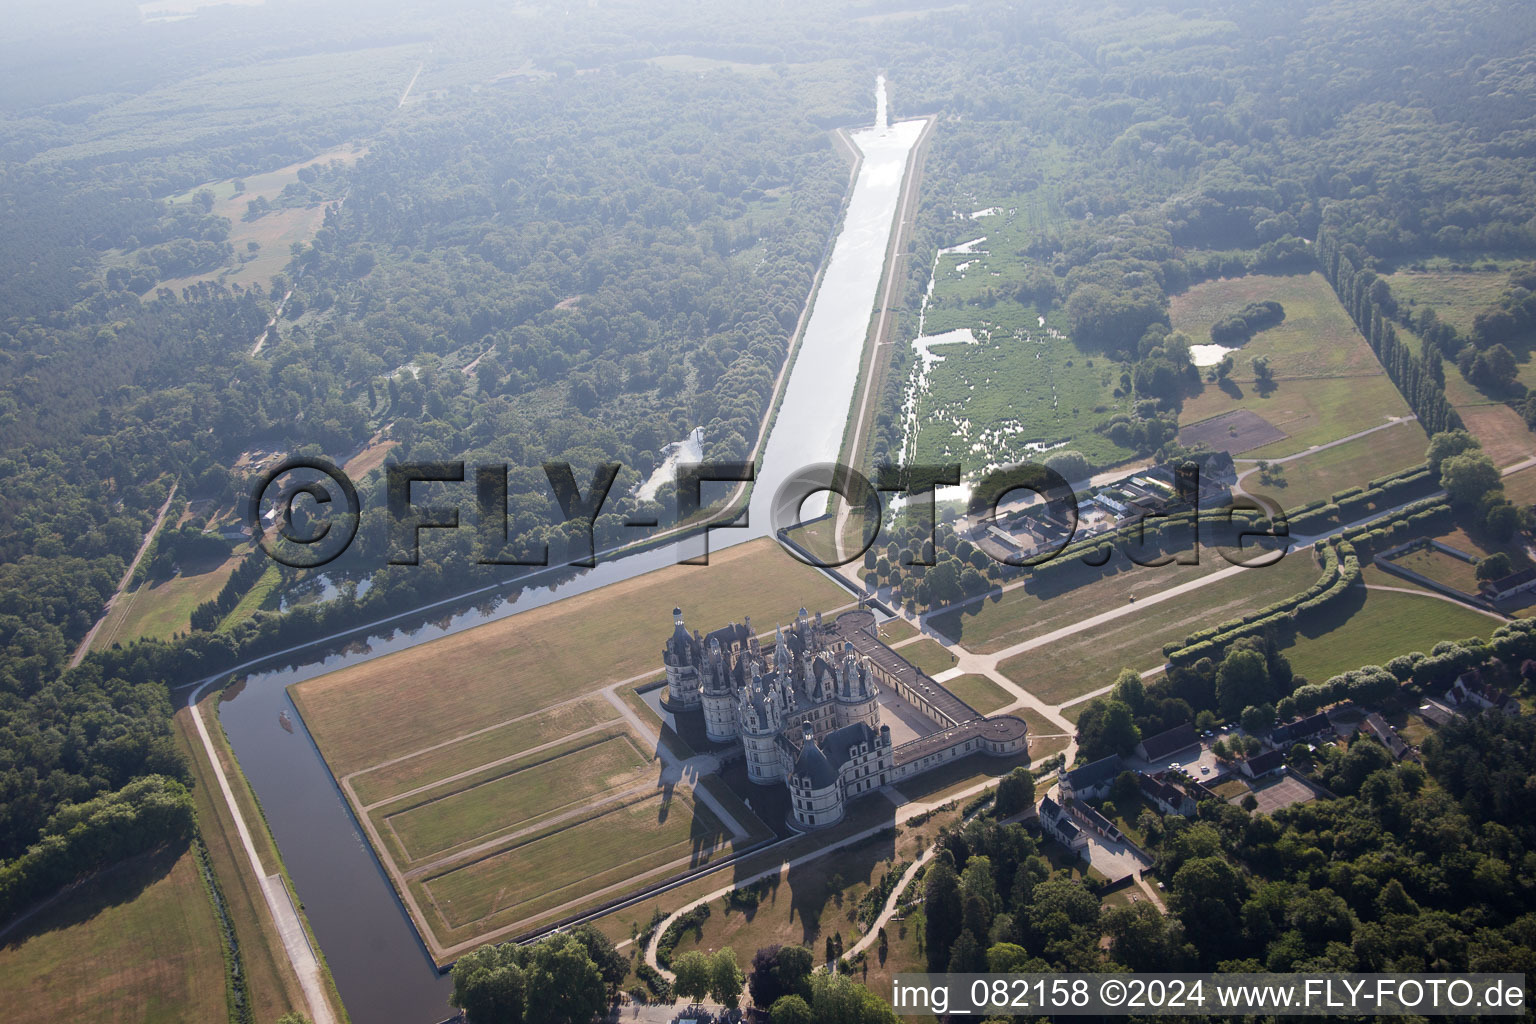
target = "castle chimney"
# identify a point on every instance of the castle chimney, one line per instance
(806, 732)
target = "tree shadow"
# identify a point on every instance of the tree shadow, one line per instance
(1230, 388)
(79, 902)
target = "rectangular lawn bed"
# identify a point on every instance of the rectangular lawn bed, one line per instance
(520, 792)
(627, 841)
(373, 785)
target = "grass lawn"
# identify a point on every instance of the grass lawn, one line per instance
(1383, 626)
(1354, 464)
(893, 631)
(161, 610)
(947, 780)
(373, 785)
(1312, 411)
(1521, 487)
(366, 713)
(929, 656)
(979, 692)
(805, 903)
(510, 796)
(1329, 383)
(656, 834)
(1015, 615)
(138, 942)
(1091, 659)
(1459, 539)
(1440, 567)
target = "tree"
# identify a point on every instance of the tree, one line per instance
(1468, 477)
(695, 973)
(790, 1009)
(780, 971)
(942, 913)
(1242, 679)
(1130, 690)
(1016, 792)
(489, 986)
(1447, 444)
(1495, 566)
(1502, 520)
(611, 964)
(1120, 734)
(966, 956)
(564, 985)
(725, 978)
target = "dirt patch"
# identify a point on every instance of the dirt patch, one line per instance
(1233, 432)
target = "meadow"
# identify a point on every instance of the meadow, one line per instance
(1328, 381)
(138, 942)
(1352, 464)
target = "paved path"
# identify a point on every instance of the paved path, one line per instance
(133, 566)
(289, 928)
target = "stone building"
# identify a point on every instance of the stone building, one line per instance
(807, 711)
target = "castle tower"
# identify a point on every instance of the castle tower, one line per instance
(815, 789)
(761, 720)
(718, 697)
(857, 691)
(681, 656)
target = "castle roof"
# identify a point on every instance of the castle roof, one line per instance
(839, 742)
(812, 765)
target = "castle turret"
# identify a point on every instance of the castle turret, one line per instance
(681, 656)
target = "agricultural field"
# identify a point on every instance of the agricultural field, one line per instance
(1328, 381)
(366, 714)
(139, 941)
(1088, 660)
(1351, 464)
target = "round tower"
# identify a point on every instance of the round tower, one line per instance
(857, 691)
(718, 696)
(815, 790)
(681, 658)
(761, 719)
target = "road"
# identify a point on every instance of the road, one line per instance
(133, 566)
